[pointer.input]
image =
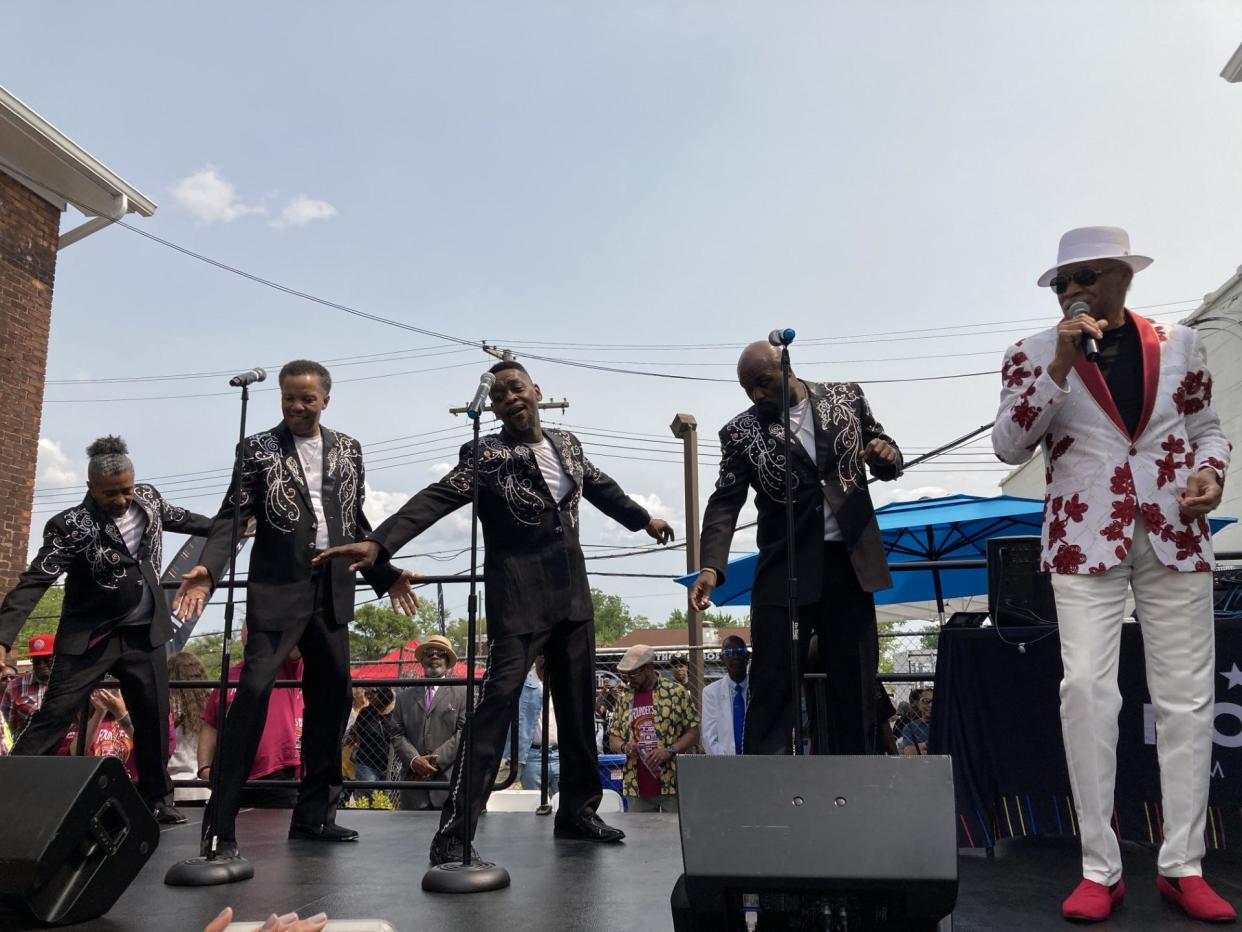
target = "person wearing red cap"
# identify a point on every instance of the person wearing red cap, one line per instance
(24, 694)
(114, 620)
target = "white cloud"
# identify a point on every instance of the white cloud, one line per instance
(301, 211)
(379, 504)
(440, 469)
(450, 531)
(211, 198)
(54, 468)
(910, 495)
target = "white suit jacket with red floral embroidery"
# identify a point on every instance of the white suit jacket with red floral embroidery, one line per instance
(1098, 476)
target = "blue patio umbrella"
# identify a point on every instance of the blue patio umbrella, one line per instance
(955, 527)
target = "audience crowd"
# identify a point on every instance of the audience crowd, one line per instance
(644, 715)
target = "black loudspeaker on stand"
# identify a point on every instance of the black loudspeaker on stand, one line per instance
(825, 843)
(1019, 591)
(75, 835)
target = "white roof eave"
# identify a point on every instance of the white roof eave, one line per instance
(40, 156)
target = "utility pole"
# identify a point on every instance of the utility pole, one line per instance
(506, 355)
(685, 428)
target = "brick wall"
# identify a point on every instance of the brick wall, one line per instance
(29, 227)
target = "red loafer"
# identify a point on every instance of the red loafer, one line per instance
(1093, 902)
(1195, 898)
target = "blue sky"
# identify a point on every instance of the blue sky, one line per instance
(622, 183)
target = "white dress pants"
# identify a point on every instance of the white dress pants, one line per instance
(1179, 650)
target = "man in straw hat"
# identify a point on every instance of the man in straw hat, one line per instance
(426, 725)
(655, 720)
(1134, 460)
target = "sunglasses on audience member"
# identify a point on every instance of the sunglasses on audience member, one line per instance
(926, 701)
(436, 652)
(735, 652)
(1084, 277)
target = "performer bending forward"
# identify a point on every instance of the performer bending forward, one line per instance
(303, 485)
(841, 559)
(115, 618)
(1134, 459)
(538, 598)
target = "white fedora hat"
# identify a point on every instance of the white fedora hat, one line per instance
(1087, 243)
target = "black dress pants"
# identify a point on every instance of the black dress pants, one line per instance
(568, 649)
(142, 670)
(848, 652)
(326, 692)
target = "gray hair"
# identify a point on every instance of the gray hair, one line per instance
(109, 456)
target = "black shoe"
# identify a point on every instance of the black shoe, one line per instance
(324, 831)
(224, 849)
(446, 850)
(168, 814)
(586, 826)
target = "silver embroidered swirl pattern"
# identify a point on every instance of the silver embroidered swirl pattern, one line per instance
(838, 409)
(343, 466)
(280, 498)
(82, 536)
(764, 451)
(509, 469)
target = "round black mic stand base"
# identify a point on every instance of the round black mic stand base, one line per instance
(456, 877)
(209, 872)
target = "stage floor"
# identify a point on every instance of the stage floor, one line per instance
(561, 885)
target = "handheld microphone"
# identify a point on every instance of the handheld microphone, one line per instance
(781, 337)
(249, 377)
(475, 408)
(1090, 348)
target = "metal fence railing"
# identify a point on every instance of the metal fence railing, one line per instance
(374, 773)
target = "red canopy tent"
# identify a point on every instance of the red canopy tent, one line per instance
(400, 662)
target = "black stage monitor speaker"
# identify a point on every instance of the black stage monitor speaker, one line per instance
(825, 843)
(75, 835)
(1019, 592)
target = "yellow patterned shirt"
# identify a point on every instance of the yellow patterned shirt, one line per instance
(673, 712)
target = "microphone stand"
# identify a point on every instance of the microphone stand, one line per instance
(209, 870)
(467, 875)
(790, 556)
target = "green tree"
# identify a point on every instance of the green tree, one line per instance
(45, 619)
(377, 629)
(613, 620)
(678, 619)
(207, 649)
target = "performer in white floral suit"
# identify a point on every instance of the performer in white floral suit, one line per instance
(115, 618)
(1134, 460)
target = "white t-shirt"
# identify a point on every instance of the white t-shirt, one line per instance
(800, 421)
(536, 739)
(310, 452)
(132, 524)
(553, 472)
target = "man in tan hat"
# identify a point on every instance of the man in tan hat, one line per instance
(1134, 459)
(426, 725)
(654, 721)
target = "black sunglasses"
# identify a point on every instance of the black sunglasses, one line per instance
(734, 652)
(1083, 277)
(435, 652)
